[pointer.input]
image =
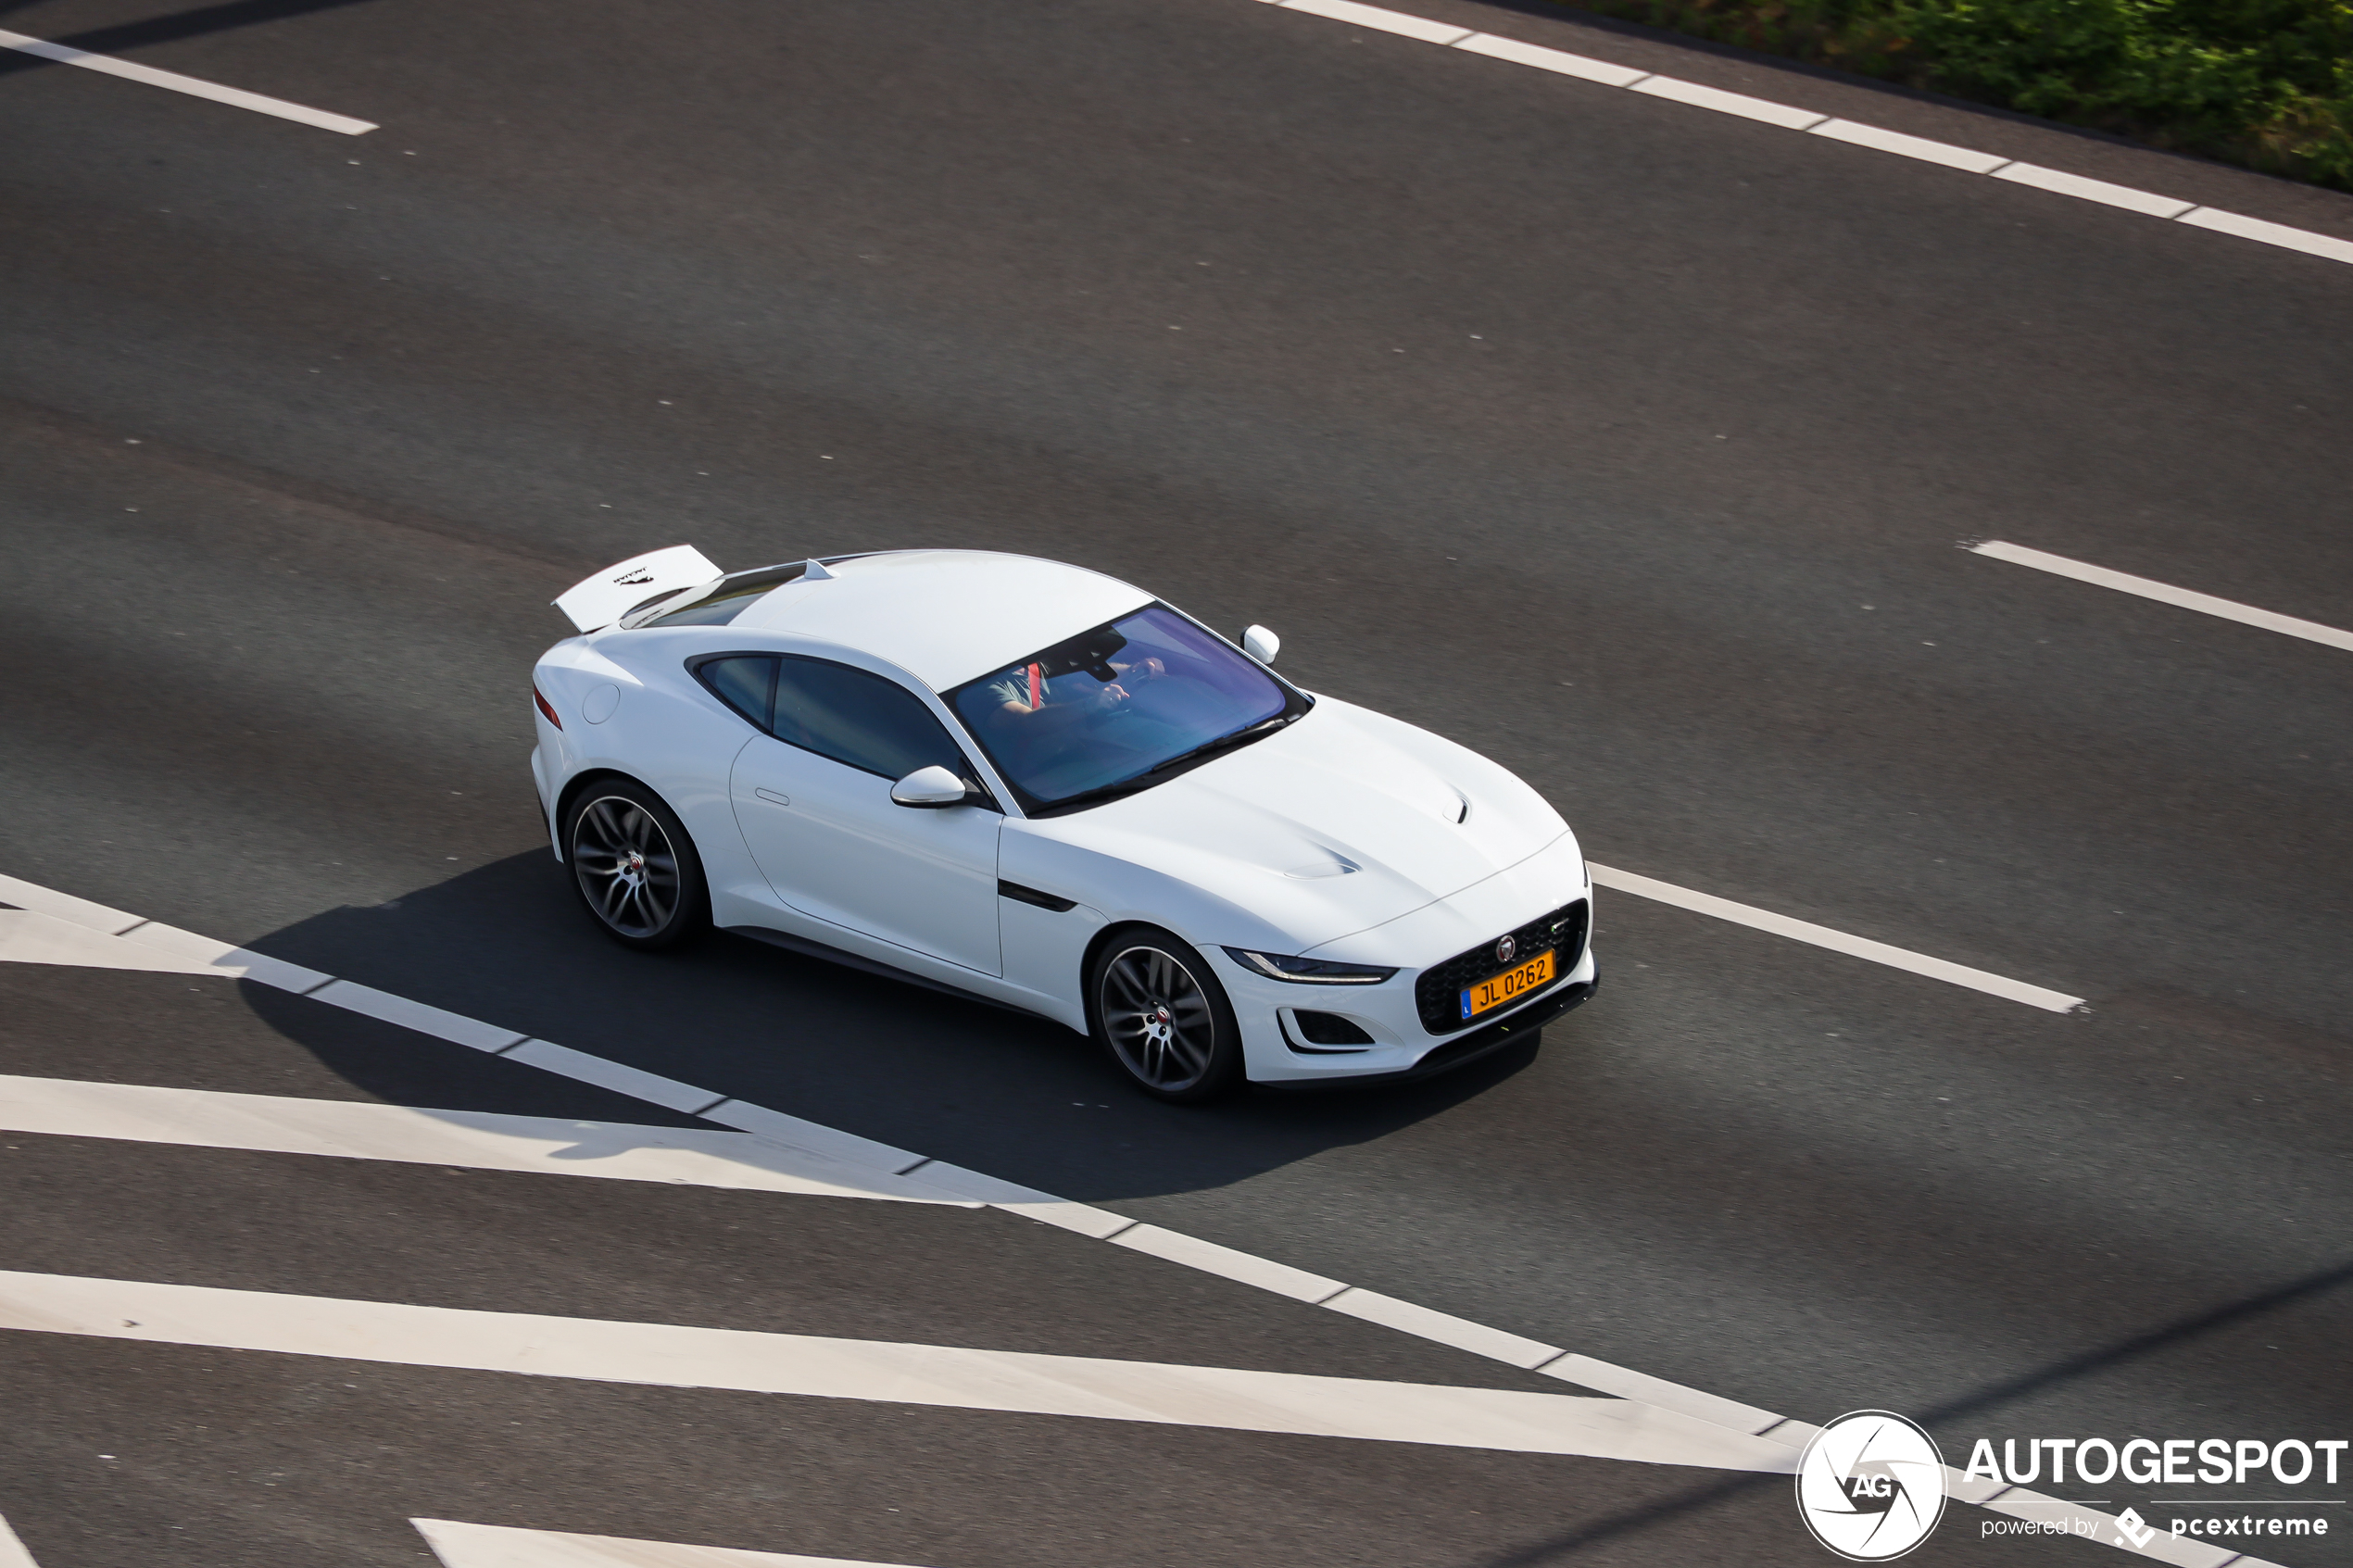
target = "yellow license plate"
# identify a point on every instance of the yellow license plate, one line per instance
(1505, 988)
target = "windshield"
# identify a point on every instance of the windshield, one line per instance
(1110, 706)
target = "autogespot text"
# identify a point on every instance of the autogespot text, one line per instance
(2181, 1462)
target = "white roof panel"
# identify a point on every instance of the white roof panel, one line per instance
(946, 616)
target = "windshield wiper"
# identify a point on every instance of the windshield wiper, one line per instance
(1150, 775)
(1247, 732)
(1098, 794)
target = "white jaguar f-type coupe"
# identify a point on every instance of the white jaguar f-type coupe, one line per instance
(1034, 784)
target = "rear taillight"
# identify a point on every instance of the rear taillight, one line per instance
(546, 707)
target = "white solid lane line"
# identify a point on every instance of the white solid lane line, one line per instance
(676, 1356)
(1836, 941)
(2099, 190)
(1243, 1268)
(501, 1546)
(1554, 60)
(386, 1007)
(2165, 593)
(1967, 159)
(12, 1550)
(2245, 228)
(788, 1129)
(1788, 117)
(1095, 1224)
(220, 957)
(637, 1083)
(1445, 1328)
(476, 1140)
(1626, 1384)
(1721, 102)
(236, 98)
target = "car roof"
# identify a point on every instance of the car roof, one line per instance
(945, 616)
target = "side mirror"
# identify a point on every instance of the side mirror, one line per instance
(934, 786)
(1262, 644)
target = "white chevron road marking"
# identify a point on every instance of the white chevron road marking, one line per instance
(477, 1140)
(501, 1546)
(676, 1356)
(12, 1551)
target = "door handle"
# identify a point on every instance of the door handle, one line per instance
(772, 795)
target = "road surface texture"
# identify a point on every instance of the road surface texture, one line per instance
(1625, 442)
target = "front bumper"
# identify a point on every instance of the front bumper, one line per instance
(1275, 1051)
(1520, 1029)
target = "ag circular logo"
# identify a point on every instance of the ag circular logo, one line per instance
(1504, 950)
(1870, 1486)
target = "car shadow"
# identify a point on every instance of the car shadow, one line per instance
(1017, 1097)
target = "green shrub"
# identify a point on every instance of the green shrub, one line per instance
(2267, 83)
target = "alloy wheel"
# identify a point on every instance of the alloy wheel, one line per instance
(1158, 1018)
(625, 865)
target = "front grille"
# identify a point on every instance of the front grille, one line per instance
(1438, 994)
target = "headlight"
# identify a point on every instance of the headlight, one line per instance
(1309, 972)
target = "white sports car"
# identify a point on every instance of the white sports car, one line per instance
(1034, 784)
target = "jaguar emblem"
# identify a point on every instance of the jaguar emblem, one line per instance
(1504, 948)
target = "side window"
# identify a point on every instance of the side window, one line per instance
(859, 719)
(744, 684)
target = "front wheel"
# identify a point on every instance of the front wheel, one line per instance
(635, 866)
(1164, 1018)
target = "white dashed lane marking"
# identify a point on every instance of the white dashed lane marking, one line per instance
(1790, 118)
(235, 98)
(1836, 941)
(2165, 593)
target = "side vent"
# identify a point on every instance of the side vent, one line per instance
(1021, 895)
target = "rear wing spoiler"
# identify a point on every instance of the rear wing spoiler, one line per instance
(600, 600)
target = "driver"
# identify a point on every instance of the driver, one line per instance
(1024, 689)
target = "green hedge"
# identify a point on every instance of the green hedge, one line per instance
(2266, 83)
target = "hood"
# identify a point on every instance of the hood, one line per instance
(1344, 820)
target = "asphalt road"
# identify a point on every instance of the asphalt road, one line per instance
(1626, 443)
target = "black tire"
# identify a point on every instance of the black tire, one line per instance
(1158, 1010)
(633, 866)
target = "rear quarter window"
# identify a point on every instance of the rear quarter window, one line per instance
(745, 683)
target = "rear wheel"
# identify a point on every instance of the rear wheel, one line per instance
(1164, 1018)
(635, 866)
